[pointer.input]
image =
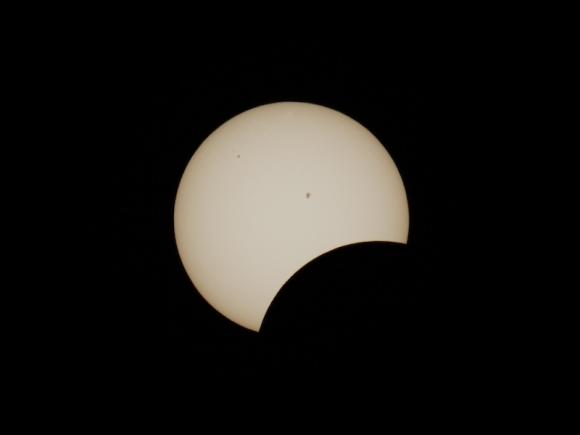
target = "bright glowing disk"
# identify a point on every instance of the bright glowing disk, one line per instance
(272, 189)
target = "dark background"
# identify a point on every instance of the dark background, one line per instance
(368, 306)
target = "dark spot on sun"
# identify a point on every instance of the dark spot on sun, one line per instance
(308, 195)
(238, 156)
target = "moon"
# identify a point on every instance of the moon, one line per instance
(272, 189)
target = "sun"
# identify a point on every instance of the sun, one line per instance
(272, 189)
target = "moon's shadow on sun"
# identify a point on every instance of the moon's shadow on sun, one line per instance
(359, 292)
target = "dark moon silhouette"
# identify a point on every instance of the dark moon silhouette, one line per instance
(364, 289)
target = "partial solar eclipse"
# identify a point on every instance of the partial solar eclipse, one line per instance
(272, 189)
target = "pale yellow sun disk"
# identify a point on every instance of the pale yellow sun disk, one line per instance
(272, 189)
